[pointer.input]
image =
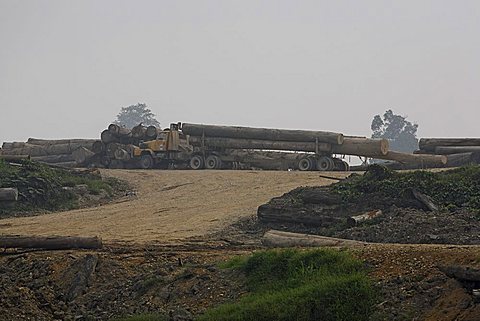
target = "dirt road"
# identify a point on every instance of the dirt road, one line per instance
(169, 205)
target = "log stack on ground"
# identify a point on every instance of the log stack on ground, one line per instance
(57, 152)
(459, 151)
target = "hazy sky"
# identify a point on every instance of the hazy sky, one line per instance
(67, 67)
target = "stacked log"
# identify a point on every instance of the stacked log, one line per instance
(458, 151)
(59, 152)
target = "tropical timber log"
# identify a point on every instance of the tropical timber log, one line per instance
(262, 133)
(54, 158)
(82, 155)
(119, 131)
(448, 150)
(50, 242)
(98, 147)
(429, 144)
(416, 160)
(139, 131)
(274, 238)
(362, 146)
(122, 154)
(14, 158)
(11, 145)
(8, 194)
(82, 142)
(151, 132)
(455, 160)
(236, 143)
(107, 137)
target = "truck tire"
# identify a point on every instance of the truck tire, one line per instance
(146, 162)
(213, 162)
(197, 162)
(325, 163)
(305, 164)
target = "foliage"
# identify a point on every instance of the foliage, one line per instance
(300, 285)
(133, 115)
(452, 189)
(401, 133)
(41, 187)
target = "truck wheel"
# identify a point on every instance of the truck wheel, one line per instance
(197, 162)
(146, 162)
(325, 163)
(213, 162)
(305, 164)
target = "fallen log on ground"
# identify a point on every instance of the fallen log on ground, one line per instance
(8, 194)
(429, 144)
(425, 200)
(262, 133)
(274, 238)
(50, 242)
(359, 146)
(236, 143)
(411, 161)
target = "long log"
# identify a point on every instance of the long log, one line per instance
(448, 150)
(107, 137)
(151, 132)
(50, 242)
(429, 144)
(118, 131)
(416, 160)
(262, 133)
(98, 147)
(274, 238)
(236, 143)
(54, 158)
(361, 146)
(11, 145)
(8, 194)
(455, 160)
(14, 158)
(83, 142)
(139, 131)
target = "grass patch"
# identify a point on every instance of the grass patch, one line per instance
(300, 285)
(41, 187)
(143, 317)
(452, 189)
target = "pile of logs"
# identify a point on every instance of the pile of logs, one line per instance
(61, 152)
(116, 143)
(457, 151)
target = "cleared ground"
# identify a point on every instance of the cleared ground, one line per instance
(169, 205)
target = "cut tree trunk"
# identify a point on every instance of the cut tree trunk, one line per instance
(82, 155)
(122, 154)
(139, 131)
(425, 200)
(14, 158)
(8, 194)
(429, 144)
(416, 160)
(54, 158)
(235, 143)
(107, 137)
(361, 146)
(83, 142)
(50, 242)
(274, 238)
(455, 160)
(151, 132)
(119, 131)
(262, 133)
(447, 150)
(98, 147)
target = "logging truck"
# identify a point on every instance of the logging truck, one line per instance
(227, 147)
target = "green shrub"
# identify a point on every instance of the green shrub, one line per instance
(300, 285)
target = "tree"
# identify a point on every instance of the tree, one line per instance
(135, 114)
(401, 133)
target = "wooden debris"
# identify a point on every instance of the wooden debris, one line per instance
(51, 242)
(274, 238)
(354, 220)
